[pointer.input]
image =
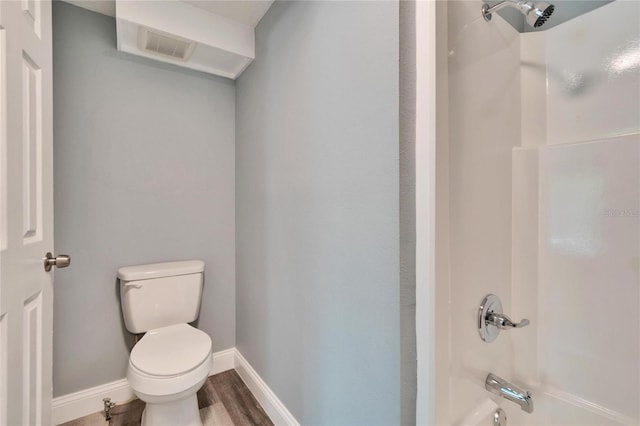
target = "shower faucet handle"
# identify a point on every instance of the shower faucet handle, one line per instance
(491, 319)
(503, 322)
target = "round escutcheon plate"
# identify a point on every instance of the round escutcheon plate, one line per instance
(490, 303)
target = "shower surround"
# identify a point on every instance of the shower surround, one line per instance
(545, 212)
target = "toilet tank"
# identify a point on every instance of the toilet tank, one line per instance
(160, 294)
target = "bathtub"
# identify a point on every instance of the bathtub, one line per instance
(550, 409)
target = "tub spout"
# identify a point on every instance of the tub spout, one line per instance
(501, 387)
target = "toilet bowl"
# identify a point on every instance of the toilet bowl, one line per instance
(166, 369)
(172, 361)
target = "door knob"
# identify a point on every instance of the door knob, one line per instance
(60, 261)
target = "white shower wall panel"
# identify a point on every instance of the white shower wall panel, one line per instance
(484, 126)
(593, 75)
(587, 345)
(576, 245)
(588, 295)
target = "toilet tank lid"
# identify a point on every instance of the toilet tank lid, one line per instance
(158, 270)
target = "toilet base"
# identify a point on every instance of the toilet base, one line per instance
(166, 404)
(183, 412)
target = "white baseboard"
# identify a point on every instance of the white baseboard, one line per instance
(89, 401)
(274, 408)
(223, 361)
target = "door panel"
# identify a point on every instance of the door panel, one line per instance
(32, 150)
(32, 13)
(26, 205)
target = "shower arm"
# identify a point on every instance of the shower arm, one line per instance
(536, 12)
(487, 11)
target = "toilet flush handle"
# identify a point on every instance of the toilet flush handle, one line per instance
(133, 284)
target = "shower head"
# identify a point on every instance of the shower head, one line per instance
(536, 12)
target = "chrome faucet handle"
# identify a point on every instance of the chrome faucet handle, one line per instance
(491, 319)
(503, 322)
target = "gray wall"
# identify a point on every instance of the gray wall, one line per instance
(144, 172)
(408, 211)
(317, 217)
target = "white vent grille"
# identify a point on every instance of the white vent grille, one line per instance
(164, 44)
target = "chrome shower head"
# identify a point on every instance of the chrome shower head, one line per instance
(536, 13)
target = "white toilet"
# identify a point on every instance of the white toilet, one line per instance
(173, 359)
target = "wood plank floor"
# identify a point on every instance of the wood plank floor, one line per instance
(224, 400)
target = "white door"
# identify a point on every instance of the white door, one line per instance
(26, 212)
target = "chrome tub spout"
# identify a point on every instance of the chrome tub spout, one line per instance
(501, 387)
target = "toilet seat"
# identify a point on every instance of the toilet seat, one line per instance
(168, 361)
(170, 351)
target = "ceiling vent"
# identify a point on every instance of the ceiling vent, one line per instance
(191, 36)
(165, 44)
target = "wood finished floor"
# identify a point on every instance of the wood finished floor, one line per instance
(224, 400)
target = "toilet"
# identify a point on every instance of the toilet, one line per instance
(171, 362)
